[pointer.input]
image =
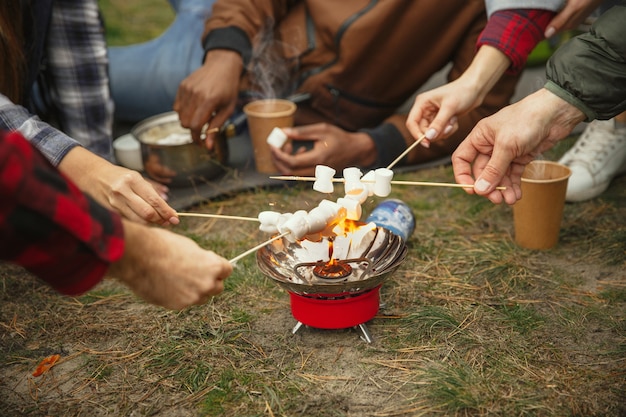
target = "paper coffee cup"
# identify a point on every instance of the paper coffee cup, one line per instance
(537, 215)
(263, 116)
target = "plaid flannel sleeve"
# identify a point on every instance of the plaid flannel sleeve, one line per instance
(77, 71)
(50, 227)
(515, 33)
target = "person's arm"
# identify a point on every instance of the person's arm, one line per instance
(49, 226)
(589, 71)
(503, 46)
(69, 241)
(498, 148)
(77, 74)
(116, 187)
(209, 95)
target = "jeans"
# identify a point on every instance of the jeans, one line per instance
(145, 77)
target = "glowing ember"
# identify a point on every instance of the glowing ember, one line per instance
(333, 269)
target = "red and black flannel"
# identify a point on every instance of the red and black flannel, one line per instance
(515, 33)
(49, 226)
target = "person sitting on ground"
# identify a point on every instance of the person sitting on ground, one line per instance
(586, 81)
(68, 240)
(144, 77)
(61, 41)
(359, 62)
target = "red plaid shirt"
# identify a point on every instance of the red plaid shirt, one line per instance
(49, 226)
(515, 33)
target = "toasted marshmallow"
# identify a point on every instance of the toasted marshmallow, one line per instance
(317, 219)
(353, 208)
(277, 138)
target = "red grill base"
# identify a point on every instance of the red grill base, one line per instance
(327, 312)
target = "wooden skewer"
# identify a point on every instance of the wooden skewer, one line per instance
(407, 150)
(430, 184)
(218, 216)
(257, 247)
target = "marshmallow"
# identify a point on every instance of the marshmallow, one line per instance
(281, 221)
(324, 179)
(353, 208)
(331, 209)
(382, 184)
(369, 180)
(277, 138)
(358, 192)
(352, 174)
(296, 225)
(269, 221)
(317, 219)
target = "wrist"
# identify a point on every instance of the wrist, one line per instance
(485, 70)
(229, 57)
(367, 154)
(556, 110)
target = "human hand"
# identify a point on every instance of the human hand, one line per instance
(120, 189)
(168, 269)
(209, 94)
(434, 113)
(572, 15)
(332, 146)
(498, 148)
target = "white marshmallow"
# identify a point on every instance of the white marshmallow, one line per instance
(382, 184)
(369, 180)
(269, 221)
(353, 208)
(277, 138)
(317, 219)
(281, 221)
(297, 225)
(352, 174)
(324, 179)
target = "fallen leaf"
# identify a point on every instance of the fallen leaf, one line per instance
(46, 364)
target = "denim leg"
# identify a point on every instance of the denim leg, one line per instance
(144, 77)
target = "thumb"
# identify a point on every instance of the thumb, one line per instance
(492, 174)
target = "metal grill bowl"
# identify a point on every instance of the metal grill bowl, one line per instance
(372, 252)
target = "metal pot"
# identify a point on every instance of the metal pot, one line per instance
(170, 157)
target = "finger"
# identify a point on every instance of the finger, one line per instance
(413, 119)
(462, 160)
(302, 163)
(149, 205)
(307, 132)
(494, 172)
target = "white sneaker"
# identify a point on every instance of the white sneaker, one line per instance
(598, 156)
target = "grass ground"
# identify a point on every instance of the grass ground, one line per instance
(472, 325)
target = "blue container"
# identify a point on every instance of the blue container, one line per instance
(394, 215)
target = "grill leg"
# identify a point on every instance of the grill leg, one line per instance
(296, 327)
(366, 336)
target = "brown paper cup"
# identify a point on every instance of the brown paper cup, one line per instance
(263, 116)
(537, 215)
